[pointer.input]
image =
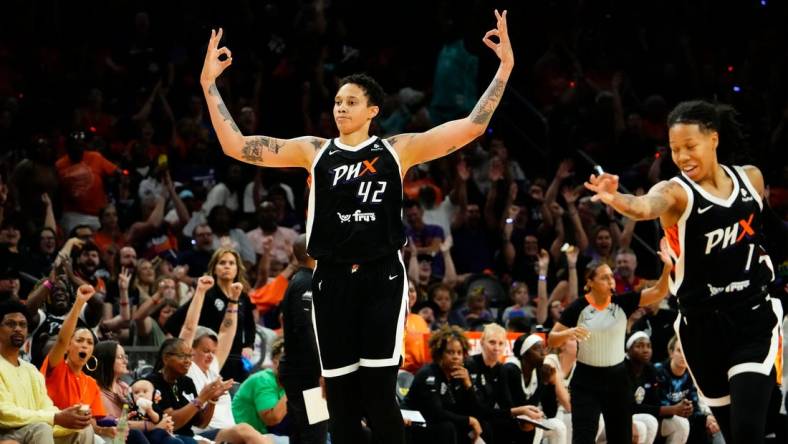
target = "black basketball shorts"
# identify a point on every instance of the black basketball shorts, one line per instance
(359, 314)
(719, 345)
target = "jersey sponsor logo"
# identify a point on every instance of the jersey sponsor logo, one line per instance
(703, 210)
(733, 287)
(729, 235)
(357, 216)
(376, 147)
(347, 173)
(745, 196)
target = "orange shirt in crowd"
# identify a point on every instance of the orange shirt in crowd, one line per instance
(66, 389)
(269, 295)
(83, 182)
(104, 241)
(415, 356)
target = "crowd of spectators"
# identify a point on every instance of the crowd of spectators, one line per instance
(112, 180)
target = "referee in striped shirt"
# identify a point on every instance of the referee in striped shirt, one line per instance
(598, 321)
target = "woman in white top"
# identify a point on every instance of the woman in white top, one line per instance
(210, 353)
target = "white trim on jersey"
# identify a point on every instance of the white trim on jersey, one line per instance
(401, 180)
(400, 334)
(765, 367)
(310, 207)
(677, 277)
(747, 184)
(358, 147)
(714, 199)
(711, 402)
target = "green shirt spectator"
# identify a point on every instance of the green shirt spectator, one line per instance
(259, 393)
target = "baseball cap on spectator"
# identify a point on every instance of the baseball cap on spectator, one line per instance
(186, 194)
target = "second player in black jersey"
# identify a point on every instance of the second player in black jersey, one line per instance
(729, 327)
(359, 286)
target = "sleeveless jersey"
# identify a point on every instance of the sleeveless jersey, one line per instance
(355, 202)
(716, 245)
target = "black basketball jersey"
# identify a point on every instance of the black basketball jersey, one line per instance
(355, 202)
(716, 245)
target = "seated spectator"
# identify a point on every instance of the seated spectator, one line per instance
(538, 383)
(179, 398)
(27, 415)
(649, 416)
(624, 273)
(443, 392)
(443, 299)
(66, 383)
(492, 388)
(522, 308)
(475, 311)
(111, 368)
(676, 387)
(209, 355)
(261, 401)
(415, 329)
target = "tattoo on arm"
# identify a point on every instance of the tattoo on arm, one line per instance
(450, 150)
(228, 322)
(252, 150)
(650, 206)
(273, 144)
(317, 143)
(482, 112)
(225, 113)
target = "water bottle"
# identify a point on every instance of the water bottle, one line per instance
(123, 426)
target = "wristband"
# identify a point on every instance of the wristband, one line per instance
(211, 401)
(47, 284)
(232, 302)
(543, 278)
(123, 303)
(197, 403)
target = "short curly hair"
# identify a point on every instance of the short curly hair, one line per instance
(439, 341)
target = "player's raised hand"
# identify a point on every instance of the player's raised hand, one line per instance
(213, 67)
(605, 186)
(503, 49)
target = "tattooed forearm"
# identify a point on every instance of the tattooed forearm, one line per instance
(484, 108)
(645, 207)
(214, 91)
